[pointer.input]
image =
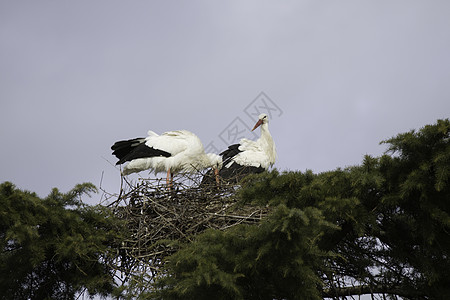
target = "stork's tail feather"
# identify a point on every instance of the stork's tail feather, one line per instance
(134, 149)
(122, 148)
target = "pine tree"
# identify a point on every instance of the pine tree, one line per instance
(380, 227)
(56, 247)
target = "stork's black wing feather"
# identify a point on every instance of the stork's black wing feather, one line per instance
(135, 148)
(231, 152)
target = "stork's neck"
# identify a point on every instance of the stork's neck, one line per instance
(265, 134)
(267, 143)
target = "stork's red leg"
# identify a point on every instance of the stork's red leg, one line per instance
(216, 173)
(169, 180)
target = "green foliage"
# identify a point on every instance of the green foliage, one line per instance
(279, 258)
(383, 224)
(53, 248)
(418, 202)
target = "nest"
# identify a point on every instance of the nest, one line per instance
(157, 217)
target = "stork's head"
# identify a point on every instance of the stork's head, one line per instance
(262, 119)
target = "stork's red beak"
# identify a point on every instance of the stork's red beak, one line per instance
(257, 124)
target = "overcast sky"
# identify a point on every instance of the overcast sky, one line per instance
(337, 76)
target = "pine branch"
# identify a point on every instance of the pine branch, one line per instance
(372, 289)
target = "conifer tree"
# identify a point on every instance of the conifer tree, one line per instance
(380, 227)
(56, 247)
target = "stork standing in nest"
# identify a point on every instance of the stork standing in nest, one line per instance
(172, 152)
(248, 156)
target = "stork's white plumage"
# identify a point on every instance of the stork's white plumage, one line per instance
(250, 156)
(178, 151)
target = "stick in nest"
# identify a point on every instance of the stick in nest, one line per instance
(154, 215)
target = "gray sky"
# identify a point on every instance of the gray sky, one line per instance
(75, 76)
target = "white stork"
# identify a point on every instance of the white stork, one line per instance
(178, 151)
(248, 156)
